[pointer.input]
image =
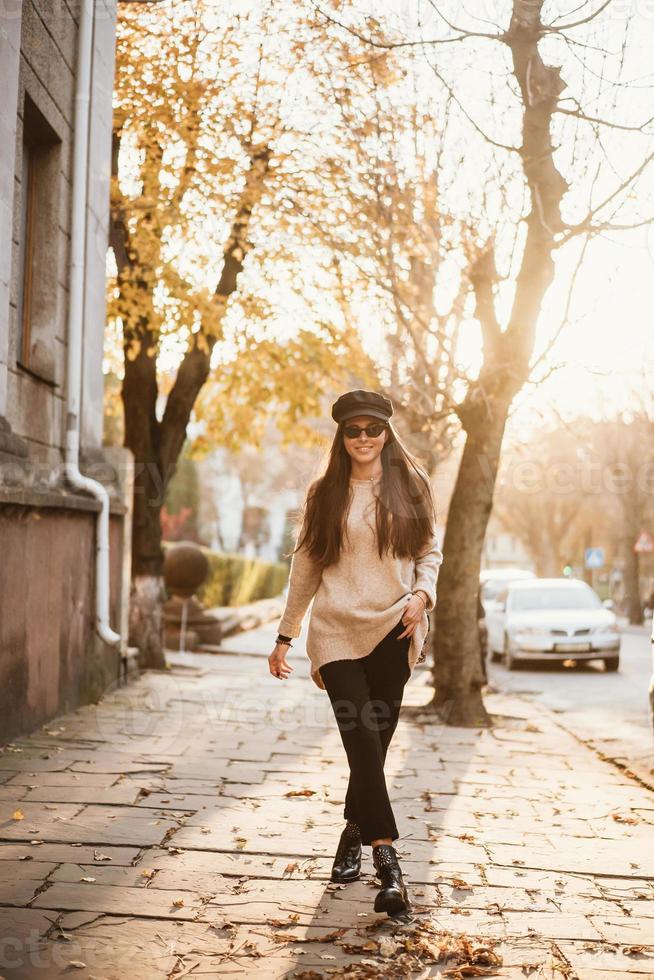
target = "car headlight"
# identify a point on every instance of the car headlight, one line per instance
(607, 630)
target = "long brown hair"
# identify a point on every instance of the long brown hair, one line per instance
(405, 512)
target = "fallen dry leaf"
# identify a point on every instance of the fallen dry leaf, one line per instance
(470, 970)
(300, 792)
(99, 856)
(87, 879)
(178, 903)
(18, 815)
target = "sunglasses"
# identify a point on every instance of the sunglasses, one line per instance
(373, 430)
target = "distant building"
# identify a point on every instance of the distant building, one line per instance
(51, 657)
(248, 517)
(504, 550)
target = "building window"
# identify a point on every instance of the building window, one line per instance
(38, 228)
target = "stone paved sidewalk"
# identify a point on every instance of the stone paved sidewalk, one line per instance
(185, 827)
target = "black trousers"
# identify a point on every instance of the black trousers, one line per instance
(366, 695)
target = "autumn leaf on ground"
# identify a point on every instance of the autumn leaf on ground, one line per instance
(99, 856)
(87, 879)
(470, 970)
(328, 937)
(620, 819)
(18, 815)
(300, 792)
(460, 883)
(178, 903)
(290, 868)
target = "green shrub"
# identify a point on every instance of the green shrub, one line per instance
(234, 580)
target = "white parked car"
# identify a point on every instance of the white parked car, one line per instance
(492, 581)
(553, 619)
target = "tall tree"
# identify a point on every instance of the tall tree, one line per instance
(549, 497)
(205, 135)
(508, 255)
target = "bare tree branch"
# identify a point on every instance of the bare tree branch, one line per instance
(577, 23)
(392, 45)
(450, 91)
(578, 114)
(586, 224)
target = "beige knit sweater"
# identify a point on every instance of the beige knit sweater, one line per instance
(359, 598)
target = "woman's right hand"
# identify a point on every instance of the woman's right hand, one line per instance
(279, 666)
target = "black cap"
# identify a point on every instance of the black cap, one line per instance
(359, 402)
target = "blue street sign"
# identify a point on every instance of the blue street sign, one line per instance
(594, 557)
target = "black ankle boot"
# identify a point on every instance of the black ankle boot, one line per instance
(393, 896)
(347, 861)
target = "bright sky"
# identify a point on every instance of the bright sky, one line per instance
(606, 352)
(609, 341)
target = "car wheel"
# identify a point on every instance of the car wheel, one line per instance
(611, 664)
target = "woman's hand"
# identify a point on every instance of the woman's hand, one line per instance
(413, 612)
(279, 666)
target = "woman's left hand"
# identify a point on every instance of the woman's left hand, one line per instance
(413, 612)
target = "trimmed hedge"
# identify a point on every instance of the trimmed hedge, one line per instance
(234, 580)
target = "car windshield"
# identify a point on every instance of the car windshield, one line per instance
(527, 600)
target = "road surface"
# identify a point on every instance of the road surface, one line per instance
(611, 710)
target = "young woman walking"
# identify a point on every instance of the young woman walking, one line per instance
(367, 551)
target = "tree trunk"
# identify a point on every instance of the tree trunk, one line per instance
(147, 597)
(142, 437)
(632, 584)
(156, 445)
(457, 668)
(505, 368)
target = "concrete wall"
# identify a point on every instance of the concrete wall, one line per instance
(52, 659)
(50, 656)
(10, 60)
(38, 45)
(98, 219)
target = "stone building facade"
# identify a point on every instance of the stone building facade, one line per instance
(51, 658)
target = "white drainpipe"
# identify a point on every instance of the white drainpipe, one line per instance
(75, 321)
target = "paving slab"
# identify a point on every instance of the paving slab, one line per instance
(134, 844)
